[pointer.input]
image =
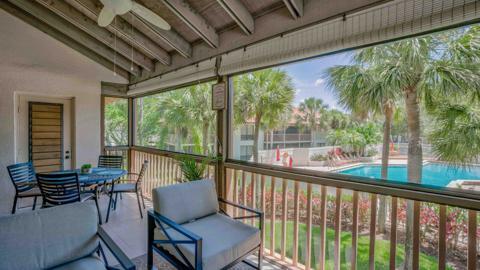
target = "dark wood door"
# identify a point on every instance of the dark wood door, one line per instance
(46, 136)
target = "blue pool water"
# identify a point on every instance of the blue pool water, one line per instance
(432, 174)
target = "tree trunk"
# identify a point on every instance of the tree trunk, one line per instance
(414, 163)
(178, 141)
(256, 134)
(382, 209)
(313, 134)
(205, 139)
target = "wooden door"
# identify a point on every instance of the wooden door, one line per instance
(46, 136)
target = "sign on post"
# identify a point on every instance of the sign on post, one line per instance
(218, 96)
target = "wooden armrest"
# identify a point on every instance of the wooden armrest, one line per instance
(121, 257)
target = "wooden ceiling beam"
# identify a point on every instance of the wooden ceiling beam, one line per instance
(239, 14)
(91, 27)
(39, 13)
(295, 7)
(168, 37)
(91, 9)
(274, 24)
(197, 23)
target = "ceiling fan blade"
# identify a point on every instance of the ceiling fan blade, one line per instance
(105, 17)
(150, 16)
(122, 6)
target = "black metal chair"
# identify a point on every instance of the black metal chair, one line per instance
(23, 179)
(107, 161)
(63, 188)
(128, 186)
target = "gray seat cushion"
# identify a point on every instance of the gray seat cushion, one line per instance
(87, 263)
(186, 201)
(48, 237)
(223, 240)
(124, 187)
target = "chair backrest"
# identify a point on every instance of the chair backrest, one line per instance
(59, 188)
(49, 237)
(141, 174)
(22, 175)
(105, 161)
(186, 201)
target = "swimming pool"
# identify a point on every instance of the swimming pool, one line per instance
(432, 174)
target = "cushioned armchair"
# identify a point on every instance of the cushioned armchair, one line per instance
(62, 237)
(189, 230)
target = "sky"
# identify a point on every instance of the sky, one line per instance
(308, 81)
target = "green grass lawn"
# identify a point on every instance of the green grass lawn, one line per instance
(382, 248)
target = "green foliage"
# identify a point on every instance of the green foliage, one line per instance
(455, 133)
(312, 114)
(382, 248)
(432, 67)
(357, 137)
(191, 169)
(86, 166)
(265, 97)
(179, 120)
(116, 122)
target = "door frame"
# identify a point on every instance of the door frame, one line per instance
(30, 146)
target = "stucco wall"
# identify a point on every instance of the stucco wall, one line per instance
(35, 64)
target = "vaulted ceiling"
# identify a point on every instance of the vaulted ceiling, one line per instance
(200, 29)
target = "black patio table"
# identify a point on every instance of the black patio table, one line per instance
(97, 176)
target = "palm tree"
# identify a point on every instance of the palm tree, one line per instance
(264, 97)
(420, 69)
(312, 116)
(175, 109)
(337, 120)
(199, 102)
(455, 132)
(359, 88)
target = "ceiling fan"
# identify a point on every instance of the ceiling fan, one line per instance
(111, 8)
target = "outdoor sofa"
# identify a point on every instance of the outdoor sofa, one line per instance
(60, 238)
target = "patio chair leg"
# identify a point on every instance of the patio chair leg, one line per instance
(143, 199)
(139, 206)
(98, 210)
(109, 206)
(115, 203)
(260, 259)
(34, 202)
(14, 208)
(150, 227)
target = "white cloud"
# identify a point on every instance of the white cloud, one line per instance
(298, 90)
(318, 82)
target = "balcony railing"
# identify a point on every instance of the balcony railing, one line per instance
(329, 221)
(162, 170)
(318, 220)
